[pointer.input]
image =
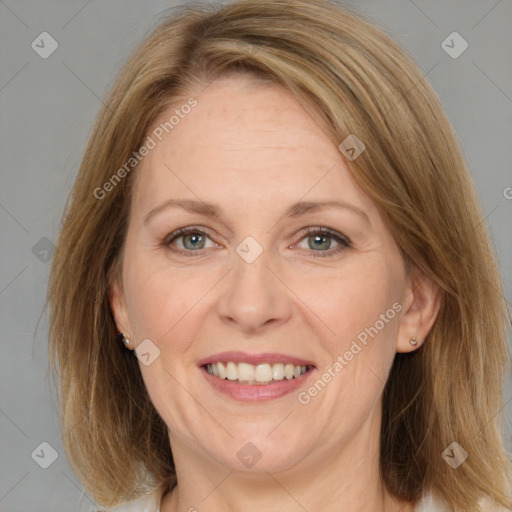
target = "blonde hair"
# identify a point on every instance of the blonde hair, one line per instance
(360, 82)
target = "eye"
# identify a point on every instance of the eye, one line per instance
(187, 240)
(321, 240)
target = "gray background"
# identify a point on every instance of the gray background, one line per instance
(47, 109)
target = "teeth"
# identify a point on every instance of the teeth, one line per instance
(245, 371)
(232, 371)
(222, 370)
(263, 373)
(255, 374)
(278, 371)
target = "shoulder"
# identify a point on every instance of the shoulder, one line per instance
(432, 503)
(148, 503)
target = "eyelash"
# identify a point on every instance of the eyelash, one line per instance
(343, 241)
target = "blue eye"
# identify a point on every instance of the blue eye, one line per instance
(320, 240)
(190, 241)
(193, 241)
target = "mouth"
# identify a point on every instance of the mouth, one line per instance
(260, 377)
(256, 375)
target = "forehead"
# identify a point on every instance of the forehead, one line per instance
(247, 141)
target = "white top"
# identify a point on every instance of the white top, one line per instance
(151, 503)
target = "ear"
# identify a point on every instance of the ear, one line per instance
(118, 307)
(422, 301)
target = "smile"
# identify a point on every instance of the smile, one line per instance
(259, 377)
(260, 374)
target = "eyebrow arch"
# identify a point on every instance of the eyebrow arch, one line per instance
(189, 205)
(302, 207)
(295, 210)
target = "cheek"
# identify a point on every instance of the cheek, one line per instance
(363, 309)
(356, 303)
(161, 298)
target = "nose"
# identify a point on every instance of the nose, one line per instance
(254, 298)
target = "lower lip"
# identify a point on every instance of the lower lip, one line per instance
(256, 392)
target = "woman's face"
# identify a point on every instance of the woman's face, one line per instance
(256, 286)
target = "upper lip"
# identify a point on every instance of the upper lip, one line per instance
(243, 357)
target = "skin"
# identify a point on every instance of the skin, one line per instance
(253, 151)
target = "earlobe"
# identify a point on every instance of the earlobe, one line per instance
(422, 300)
(118, 308)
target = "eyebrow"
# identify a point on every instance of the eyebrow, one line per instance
(295, 210)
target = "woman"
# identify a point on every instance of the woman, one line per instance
(273, 288)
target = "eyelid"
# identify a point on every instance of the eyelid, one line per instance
(343, 241)
(184, 231)
(327, 231)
